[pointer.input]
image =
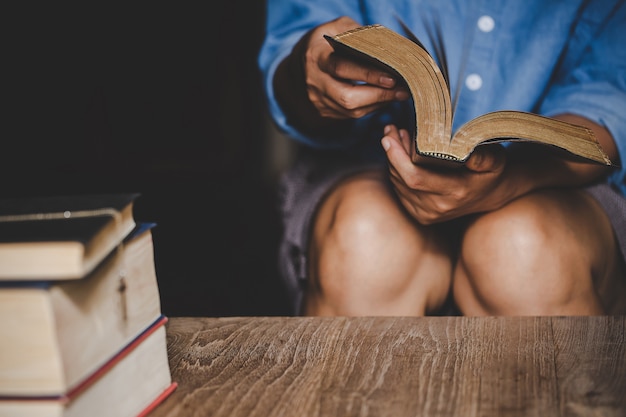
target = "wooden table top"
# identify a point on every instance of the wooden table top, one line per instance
(429, 366)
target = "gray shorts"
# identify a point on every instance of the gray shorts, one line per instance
(315, 173)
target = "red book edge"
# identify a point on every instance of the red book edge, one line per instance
(158, 400)
(91, 379)
(82, 386)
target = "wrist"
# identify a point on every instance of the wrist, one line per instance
(292, 96)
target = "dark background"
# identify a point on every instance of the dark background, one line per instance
(165, 101)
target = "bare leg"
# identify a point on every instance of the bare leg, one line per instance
(549, 253)
(367, 257)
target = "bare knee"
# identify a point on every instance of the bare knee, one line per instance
(524, 259)
(365, 256)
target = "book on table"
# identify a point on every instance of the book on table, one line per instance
(53, 334)
(61, 237)
(406, 58)
(81, 327)
(132, 383)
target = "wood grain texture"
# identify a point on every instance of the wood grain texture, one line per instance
(591, 365)
(434, 366)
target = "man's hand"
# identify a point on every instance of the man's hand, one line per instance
(434, 193)
(317, 89)
(340, 88)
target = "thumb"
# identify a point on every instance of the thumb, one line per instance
(397, 155)
(486, 158)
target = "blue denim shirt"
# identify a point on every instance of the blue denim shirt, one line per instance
(543, 56)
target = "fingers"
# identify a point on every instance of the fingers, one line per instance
(343, 99)
(351, 70)
(343, 23)
(407, 143)
(396, 144)
(343, 88)
(441, 190)
(486, 159)
(360, 73)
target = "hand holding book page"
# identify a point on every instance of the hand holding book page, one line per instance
(429, 88)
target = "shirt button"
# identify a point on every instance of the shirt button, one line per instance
(473, 82)
(486, 23)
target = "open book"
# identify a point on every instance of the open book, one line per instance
(408, 59)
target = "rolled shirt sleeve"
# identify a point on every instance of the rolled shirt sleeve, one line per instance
(592, 79)
(287, 22)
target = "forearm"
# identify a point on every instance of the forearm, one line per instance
(530, 167)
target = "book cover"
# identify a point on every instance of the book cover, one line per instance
(61, 237)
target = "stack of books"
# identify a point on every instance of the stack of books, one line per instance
(81, 327)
